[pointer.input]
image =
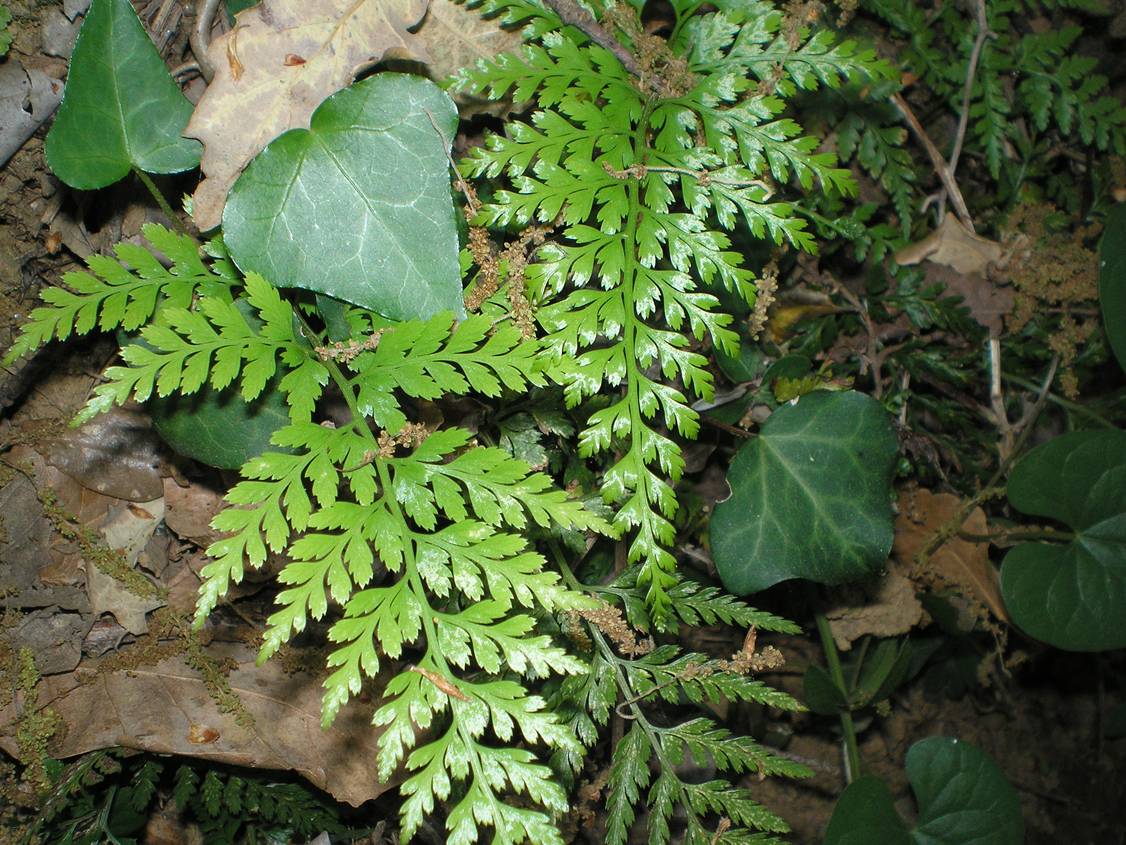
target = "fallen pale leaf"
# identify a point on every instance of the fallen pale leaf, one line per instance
(457, 35)
(165, 708)
(117, 454)
(127, 531)
(955, 246)
(888, 608)
(961, 564)
(259, 91)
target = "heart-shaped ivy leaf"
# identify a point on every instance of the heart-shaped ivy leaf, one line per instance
(962, 797)
(121, 109)
(358, 206)
(220, 428)
(1072, 595)
(810, 496)
(1112, 280)
(865, 813)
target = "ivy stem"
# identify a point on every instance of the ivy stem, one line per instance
(1066, 404)
(833, 659)
(165, 206)
(1002, 536)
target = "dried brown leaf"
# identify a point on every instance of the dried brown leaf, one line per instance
(259, 91)
(127, 531)
(958, 563)
(886, 608)
(989, 303)
(165, 708)
(457, 36)
(189, 510)
(955, 246)
(117, 454)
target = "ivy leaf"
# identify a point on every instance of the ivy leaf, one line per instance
(866, 812)
(358, 206)
(1112, 281)
(219, 429)
(121, 109)
(962, 796)
(1072, 595)
(810, 496)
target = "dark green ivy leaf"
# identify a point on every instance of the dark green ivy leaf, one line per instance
(121, 109)
(962, 795)
(1072, 595)
(810, 496)
(220, 429)
(358, 206)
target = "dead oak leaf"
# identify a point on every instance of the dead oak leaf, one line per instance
(960, 564)
(165, 708)
(960, 260)
(259, 91)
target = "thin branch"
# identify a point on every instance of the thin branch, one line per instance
(983, 33)
(200, 37)
(937, 161)
(573, 14)
(997, 399)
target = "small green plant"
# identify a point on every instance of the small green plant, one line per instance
(106, 797)
(5, 35)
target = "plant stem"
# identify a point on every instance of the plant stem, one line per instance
(1066, 404)
(833, 659)
(1046, 534)
(147, 181)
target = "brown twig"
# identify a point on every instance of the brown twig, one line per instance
(937, 161)
(983, 33)
(200, 37)
(573, 14)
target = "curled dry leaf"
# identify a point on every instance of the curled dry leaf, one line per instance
(127, 530)
(165, 708)
(259, 91)
(955, 246)
(959, 564)
(887, 607)
(960, 260)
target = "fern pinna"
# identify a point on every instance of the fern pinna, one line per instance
(416, 539)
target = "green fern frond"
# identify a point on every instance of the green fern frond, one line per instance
(621, 293)
(122, 293)
(217, 343)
